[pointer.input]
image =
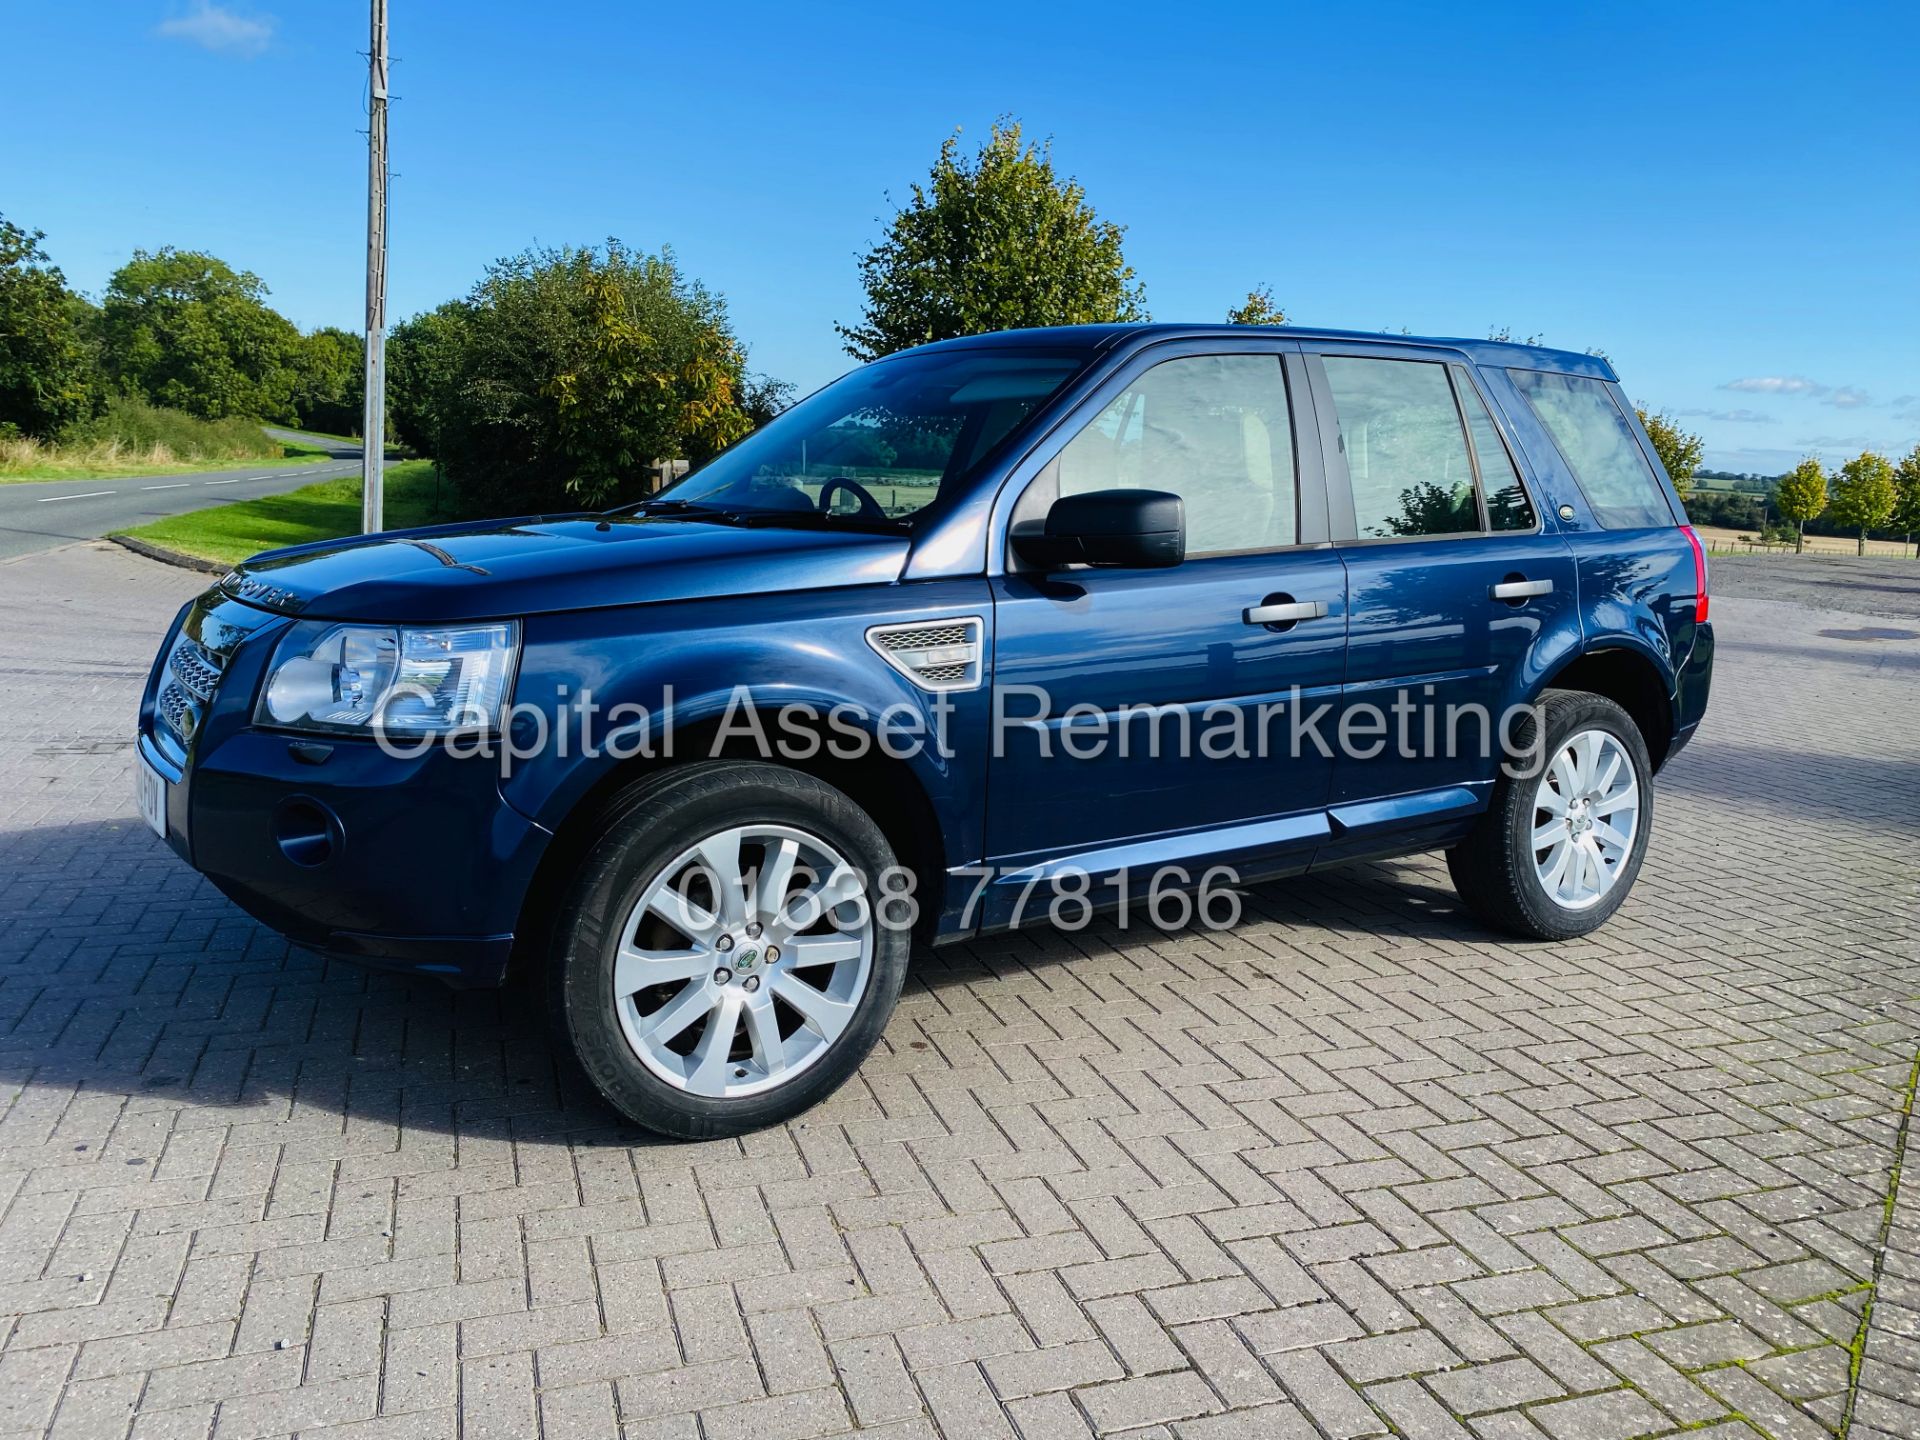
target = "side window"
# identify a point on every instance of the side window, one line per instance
(1212, 429)
(1406, 454)
(1507, 505)
(1599, 446)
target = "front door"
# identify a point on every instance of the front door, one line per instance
(1145, 717)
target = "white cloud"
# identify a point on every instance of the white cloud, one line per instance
(1739, 417)
(1777, 385)
(1848, 398)
(216, 28)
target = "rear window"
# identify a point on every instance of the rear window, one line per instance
(1599, 446)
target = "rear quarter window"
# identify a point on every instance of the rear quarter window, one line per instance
(1599, 446)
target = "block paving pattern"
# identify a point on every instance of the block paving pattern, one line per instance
(1356, 1167)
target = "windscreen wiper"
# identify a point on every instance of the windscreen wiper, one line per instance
(690, 509)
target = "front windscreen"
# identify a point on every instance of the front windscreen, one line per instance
(880, 445)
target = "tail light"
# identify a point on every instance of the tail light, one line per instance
(1699, 574)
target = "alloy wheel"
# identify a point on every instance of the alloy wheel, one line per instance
(743, 960)
(1586, 816)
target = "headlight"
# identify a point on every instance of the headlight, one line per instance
(327, 676)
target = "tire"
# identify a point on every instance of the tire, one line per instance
(639, 891)
(1497, 868)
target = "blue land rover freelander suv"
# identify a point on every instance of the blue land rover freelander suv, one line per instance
(1015, 628)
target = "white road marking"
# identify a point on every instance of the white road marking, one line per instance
(48, 499)
(181, 486)
(235, 481)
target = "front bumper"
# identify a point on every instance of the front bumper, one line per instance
(414, 864)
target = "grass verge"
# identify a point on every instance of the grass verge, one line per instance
(114, 463)
(131, 437)
(326, 510)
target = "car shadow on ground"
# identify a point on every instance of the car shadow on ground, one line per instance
(151, 986)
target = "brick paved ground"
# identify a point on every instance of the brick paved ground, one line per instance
(1357, 1167)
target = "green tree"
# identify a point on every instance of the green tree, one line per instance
(1906, 509)
(1864, 495)
(1800, 496)
(573, 371)
(187, 331)
(1257, 309)
(995, 241)
(762, 397)
(47, 374)
(1679, 450)
(424, 356)
(328, 381)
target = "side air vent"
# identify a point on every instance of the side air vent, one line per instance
(934, 654)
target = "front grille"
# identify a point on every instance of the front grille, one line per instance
(176, 711)
(196, 668)
(197, 662)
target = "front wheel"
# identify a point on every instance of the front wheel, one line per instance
(724, 960)
(1563, 838)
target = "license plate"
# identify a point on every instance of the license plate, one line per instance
(151, 788)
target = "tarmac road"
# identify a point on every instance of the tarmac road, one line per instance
(43, 514)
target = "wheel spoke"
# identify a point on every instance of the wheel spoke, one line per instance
(1587, 759)
(824, 1014)
(1575, 886)
(695, 1000)
(816, 900)
(1610, 774)
(1556, 866)
(1567, 772)
(1549, 834)
(1597, 872)
(763, 1032)
(819, 950)
(1620, 801)
(707, 1065)
(1550, 800)
(1607, 835)
(721, 855)
(634, 969)
(776, 874)
(691, 920)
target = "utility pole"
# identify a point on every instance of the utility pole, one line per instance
(373, 426)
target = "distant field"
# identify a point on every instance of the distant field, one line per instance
(1729, 540)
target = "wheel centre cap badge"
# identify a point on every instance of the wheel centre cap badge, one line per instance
(746, 959)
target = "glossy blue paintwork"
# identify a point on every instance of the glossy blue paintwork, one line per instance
(540, 565)
(1101, 640)
(436, 859)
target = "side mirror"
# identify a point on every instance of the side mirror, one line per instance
(1138, 529)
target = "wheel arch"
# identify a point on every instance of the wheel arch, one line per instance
(1634, 681)
(884, 786)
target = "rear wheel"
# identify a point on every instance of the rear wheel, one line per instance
(723, 959)
(1558, 849)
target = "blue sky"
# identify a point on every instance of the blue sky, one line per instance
(1724, 198)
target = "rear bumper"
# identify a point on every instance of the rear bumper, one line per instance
(1691, 688)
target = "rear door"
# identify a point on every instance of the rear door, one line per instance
(1167, 695)
(1461, 596)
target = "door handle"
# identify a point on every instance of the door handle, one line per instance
(1286, 612)
(1521, 589)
